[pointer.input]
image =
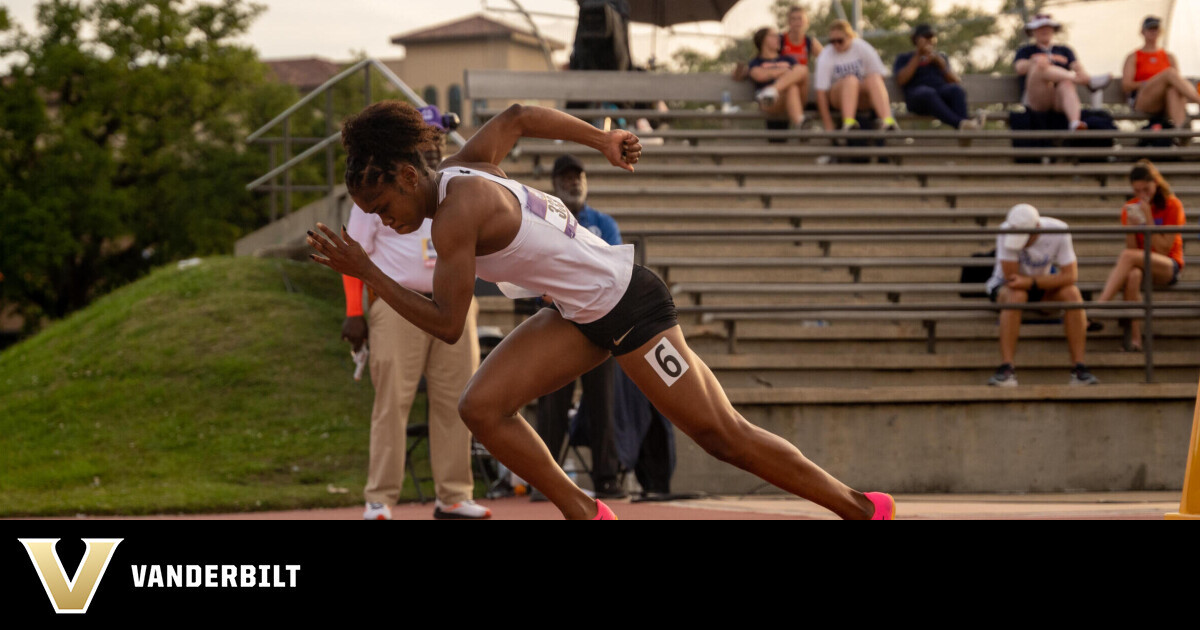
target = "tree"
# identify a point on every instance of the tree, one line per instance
(122, 126)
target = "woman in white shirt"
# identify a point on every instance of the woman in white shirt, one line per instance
(849, 70)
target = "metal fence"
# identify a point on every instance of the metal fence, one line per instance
(270, 182)
(1147, 306)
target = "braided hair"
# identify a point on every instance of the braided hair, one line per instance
(381, 138)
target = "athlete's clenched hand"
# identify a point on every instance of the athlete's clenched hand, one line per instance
(623, 149)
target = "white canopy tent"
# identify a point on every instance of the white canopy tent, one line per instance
(1182, 22)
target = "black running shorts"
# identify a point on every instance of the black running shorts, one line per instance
(645, 310)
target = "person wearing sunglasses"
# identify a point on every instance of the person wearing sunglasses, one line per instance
(849, 70)
(1151, 79)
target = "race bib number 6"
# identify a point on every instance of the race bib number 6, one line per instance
(667, 361)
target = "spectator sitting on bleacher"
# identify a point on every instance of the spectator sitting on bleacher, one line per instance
(1151, 79)
(1152, 201)
(1032, 268)
(799, 45)
(930, 87)
(777, 78)
(849, 69)
(1049, 72)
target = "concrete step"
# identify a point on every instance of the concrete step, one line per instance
(974, 438)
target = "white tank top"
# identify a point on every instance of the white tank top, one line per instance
(551, 255)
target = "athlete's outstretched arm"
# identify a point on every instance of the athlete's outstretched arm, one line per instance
(495, 139)
(453, 279)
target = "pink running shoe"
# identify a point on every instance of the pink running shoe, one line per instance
(603, 513)
(885, 506)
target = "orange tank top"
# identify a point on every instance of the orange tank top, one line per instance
(1150, 64)
(798, 50)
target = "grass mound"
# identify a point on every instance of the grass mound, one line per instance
(222, 386)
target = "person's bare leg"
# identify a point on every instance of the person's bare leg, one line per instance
(1162, 268)
(794, 76)
(697, 404)
(844, 97)
(1129, 259)
(1010, 323)
(1152, 95)
(1176, 109)
(795, 107)
(1133, 293)
(542, 355)
(1185, 88)
(1074, 321)
(877, 93)
(1068, 101)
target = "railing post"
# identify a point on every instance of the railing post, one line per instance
(366, 85)
(287, 175)
(329, 152)
(274, 195)
(1148, 301)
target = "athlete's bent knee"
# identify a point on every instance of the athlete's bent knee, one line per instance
(475, 412)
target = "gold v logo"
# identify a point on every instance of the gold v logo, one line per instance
(72, 596)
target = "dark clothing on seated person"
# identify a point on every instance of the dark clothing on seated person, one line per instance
(928, 93)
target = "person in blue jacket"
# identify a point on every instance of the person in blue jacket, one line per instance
(570, 185)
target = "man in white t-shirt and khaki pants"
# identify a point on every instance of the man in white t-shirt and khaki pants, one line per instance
(399, 354)
(1034, 268)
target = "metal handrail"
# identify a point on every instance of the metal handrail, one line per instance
(338, 78)
(1147, 304)
(325, 143)
(278, 170)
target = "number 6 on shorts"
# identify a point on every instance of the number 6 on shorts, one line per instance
(665, 360)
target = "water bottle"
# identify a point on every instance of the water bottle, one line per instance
(726, 102)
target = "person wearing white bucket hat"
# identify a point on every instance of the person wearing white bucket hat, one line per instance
(1049, 73)
(1033, 268)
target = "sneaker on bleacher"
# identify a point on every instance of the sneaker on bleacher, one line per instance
(1081, 376)
(766, 96)
(1005, 376)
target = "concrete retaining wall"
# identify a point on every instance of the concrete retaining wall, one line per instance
(1024, 446)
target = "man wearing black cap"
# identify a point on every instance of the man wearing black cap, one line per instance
(930, 87)
(570, 185)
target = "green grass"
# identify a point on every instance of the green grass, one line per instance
(213, 388)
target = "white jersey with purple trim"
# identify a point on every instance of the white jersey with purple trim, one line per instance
(551, 255)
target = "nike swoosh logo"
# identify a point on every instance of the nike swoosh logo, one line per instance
(617, 342)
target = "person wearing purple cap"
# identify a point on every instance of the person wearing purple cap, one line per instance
(1033, 268)
(400, 354)
(1152, 80)
(1049, 72)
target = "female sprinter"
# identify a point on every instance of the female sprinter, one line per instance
(487, 225)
